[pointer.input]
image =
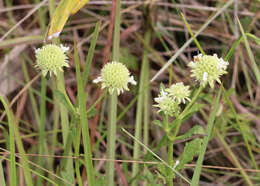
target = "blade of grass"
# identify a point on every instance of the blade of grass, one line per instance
(250, 54)
(90, 53)
(146, 97)
(84, 122)
(2, 177)
(33, 101)
(196, 174)
(192, 35)
(11, 142)
(26, 168)
(139, 111)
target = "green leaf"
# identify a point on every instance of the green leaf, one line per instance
(158, 123)
(197, 129)
(196, 107)
(256, 39)
(191, 149)
(65, 101)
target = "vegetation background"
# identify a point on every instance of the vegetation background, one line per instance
(40, 139)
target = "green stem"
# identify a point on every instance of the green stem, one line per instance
(170, 162)
(194, 98)
(111, 138)
(112, 114)
(170, 151)
(42, 126)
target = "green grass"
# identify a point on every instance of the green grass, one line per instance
(46, 122)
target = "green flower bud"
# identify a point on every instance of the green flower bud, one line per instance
(115, 76)
(207, 69)
(51, 58)
(179, 92)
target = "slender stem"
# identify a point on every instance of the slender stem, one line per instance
(42, 126)
(195, 97)
(170, 162)
(111, 138)
(170, 151)
(112, 114)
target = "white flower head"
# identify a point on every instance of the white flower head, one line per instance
(179, 92)
(51, 58)
(207, 69)
(115, 76)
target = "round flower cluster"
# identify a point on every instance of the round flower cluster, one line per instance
(170, 98)
(207, 69)
(115, 76)
(179, 92)
(51, 58)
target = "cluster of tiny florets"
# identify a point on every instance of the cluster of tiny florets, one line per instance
(169, 99)
(207, 69)
(167, 105)
(115, 76)
(179, 92)
(51, 58)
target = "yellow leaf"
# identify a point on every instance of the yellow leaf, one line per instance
(61, 15)
(79, 6)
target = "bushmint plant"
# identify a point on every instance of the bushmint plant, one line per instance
(206, 69)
